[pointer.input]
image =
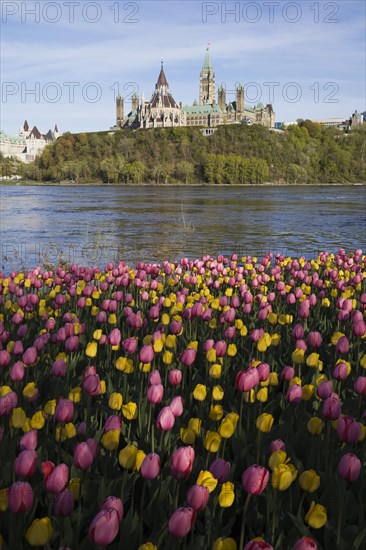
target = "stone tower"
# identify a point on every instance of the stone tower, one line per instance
(207, 81)
(240, 99)
(135, 103)
(119, 111)
(222, 98)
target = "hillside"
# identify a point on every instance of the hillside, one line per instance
(236, 154)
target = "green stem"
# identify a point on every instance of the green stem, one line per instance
(243, 520)
(339, 527)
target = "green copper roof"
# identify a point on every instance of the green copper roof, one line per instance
(207, 62)
(12, 139)
(201, 109)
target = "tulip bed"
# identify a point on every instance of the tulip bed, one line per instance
(216, 403)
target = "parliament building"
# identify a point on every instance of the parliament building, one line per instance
(163, 111)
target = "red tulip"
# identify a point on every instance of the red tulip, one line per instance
(20, 497)
(181, 522)
(255, 479)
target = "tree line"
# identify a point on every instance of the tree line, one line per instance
(234, 154)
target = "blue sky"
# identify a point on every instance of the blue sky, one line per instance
(313, 51)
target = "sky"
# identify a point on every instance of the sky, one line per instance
(65, 61)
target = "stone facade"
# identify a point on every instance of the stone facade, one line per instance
(163, 111)
(28, 144)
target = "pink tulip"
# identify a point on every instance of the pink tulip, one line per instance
(277, 445)
(7, 403)
(314, 339)
(348, 429)
(342, 346)
(17, 371)
(56, 480)
(349, 467)
(220, 348)
(154, 377)
(64, 504)
(150, 467)
(297, 332)
(113, 502)
(359, 328)
(72, 344)
(294, 394)
(29, 356)
(91, 384)
(130, 345)
(83, 456)
(64, 410)
(29, 441)
(305, 543)
(197, 497)
(177, 405)
(175, 377)
(59, 368)
(113, 422)
(146, 354)
(220, 469)
(188, 357)
(181, 522)
(165, 420)
(155, 393)
(287, 373)
(340, 371)
(255, 479)
(20, 497)
(360, 385)
(4, 358)
(257, 545)
(247, 380)
(182, 462)
(332, 407)
(263, 372)
(325, 389)
(104, 527)
(18, 347)
(25, 463)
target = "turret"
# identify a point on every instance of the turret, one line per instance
(207, 81)
(222, 98)
(240, 98)
(119, 111)
(135, 102)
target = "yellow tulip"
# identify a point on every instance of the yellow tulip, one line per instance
(316, 516)
(139, 459)
(3, 500)
(262, 395)
(298, 356)
(273, 379)
(215, 371)
(212, 441)
(187, 436)
(211, 355)
(91, 349)
(170, 341)
(110, 440)
(40, 532)
(232, 350)
(147, 546)
(124, 365)
(225, 544)
(38, 420)
(315, 425)
(309, 481)
(195, 425)
(74, 487)
(312, 360)
(127, 457)
(206, 479)
(200, 392)
(30, 390)
(158, 345)
(115, 401)
(216, 412)
(217, 393)
(50, 407)
(277, 458)
(264, 422)
(307, 392)
(226, 428)
(167, 357)
(227, 495)
(18, 417)
(282, 477)
(129, 411)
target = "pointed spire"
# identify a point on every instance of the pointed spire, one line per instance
(162, 81)
(56, 129)
(207, 62)
(25, 126)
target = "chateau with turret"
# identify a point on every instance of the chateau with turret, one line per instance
(163, 111)
(29, 143)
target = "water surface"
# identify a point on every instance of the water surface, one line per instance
(92, 225)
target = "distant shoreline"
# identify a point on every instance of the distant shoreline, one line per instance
(17, 183)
